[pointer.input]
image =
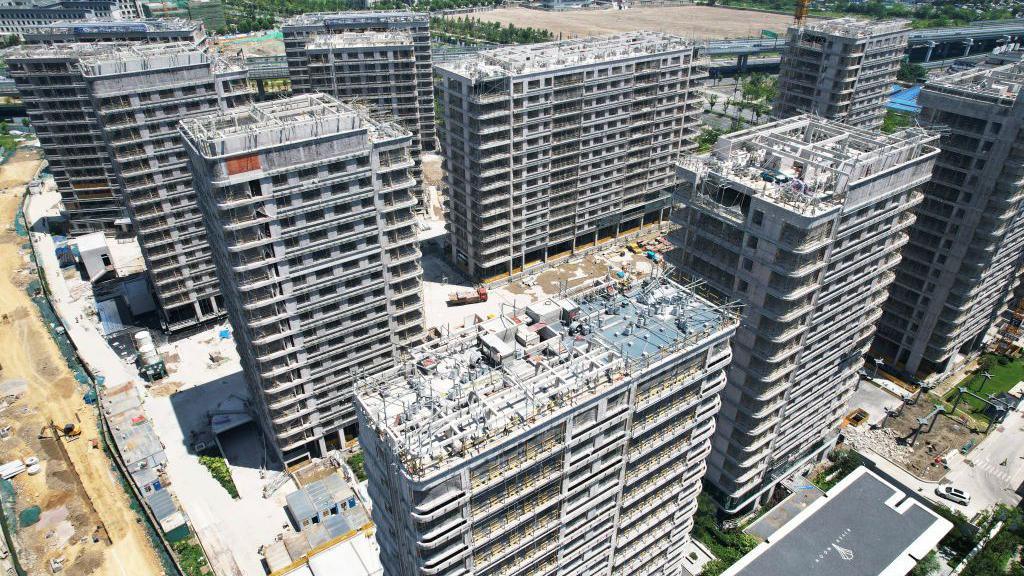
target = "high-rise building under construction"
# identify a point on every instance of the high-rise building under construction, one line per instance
(802, 221)
(551, 149)
(566, 437)
(309, 211)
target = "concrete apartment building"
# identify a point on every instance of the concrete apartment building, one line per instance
(377, 69)
(550, 149)
(309, 211)
(66, 117)
(376, 63)
(566, 437)
(841, 69)
(802, 221)
(133, 95)
(960, 267)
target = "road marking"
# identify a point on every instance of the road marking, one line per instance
(993, 470)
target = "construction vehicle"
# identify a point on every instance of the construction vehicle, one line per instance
(70, 431)
(464, 297)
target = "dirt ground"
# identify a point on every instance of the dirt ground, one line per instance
(946, 435)
(698, 22)
(86, 517)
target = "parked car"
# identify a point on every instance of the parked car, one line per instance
(953, 495)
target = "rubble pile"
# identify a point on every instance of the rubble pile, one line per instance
(882, 441)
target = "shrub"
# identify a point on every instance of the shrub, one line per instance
(218, 468)
(355, 462)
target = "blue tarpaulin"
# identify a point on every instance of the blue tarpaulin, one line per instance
(905, 99)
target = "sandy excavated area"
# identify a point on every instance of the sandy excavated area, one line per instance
(78, 492)
(697, 22)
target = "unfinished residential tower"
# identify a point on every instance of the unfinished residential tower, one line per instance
(117, 105)
(380, 58)
(841, 69)
(308, 205)
(567, 437)
(802, 221)
(961, 265)
(550, 149)
(65, 117)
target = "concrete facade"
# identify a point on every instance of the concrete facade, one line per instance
(568, 437)
(309, 211)
(134, 95)
(67, 121)
(392, 96)
(551, 149)
(802, 221)
(377, 69)
(960, 267)
(841, 69)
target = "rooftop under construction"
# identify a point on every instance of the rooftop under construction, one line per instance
(856, 27)
(478, 386)
(804, 164)
(279, 122)
(1000, 85)
(535, 58)
(358, 39)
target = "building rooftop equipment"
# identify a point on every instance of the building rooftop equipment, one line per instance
(358, 39)
(864, 525)
(563, 55)
(1001, 84)
(805, 164)
(474, 388)
(279, 122)
(856, 27)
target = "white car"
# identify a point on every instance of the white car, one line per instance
(953, 495)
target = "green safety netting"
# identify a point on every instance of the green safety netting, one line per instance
(29, 516)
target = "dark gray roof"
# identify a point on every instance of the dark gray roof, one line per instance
(862, 527)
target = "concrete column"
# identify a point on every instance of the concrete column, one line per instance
(261, 90)
(928, 54)
(968, 43)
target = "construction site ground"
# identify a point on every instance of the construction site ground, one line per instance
(203, 371)
(697, 22)
(86, 515)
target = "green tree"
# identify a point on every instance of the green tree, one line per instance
(911, 72)
(712, 99)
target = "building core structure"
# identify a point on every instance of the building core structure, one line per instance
(551, 149)
(841, 69)
(565, 437)
(382, 58)
(128, 99)
(308, 205)
(960, 268)
(802, 220)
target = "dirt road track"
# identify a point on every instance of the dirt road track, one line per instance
(27, 352)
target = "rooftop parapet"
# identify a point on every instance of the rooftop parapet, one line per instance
(533, 58)
(857, 28)
(110, 25)
(805, 164)
(344, 19)
(360, 39)
(285, 121)
(97, 59)
(1001, 84)
(480, 386)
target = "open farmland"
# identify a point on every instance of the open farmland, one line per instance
(699, 22)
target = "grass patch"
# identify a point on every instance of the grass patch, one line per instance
(1006, 373)
(191, 557)
(356, 463)
(218, 468)
(843, 462)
